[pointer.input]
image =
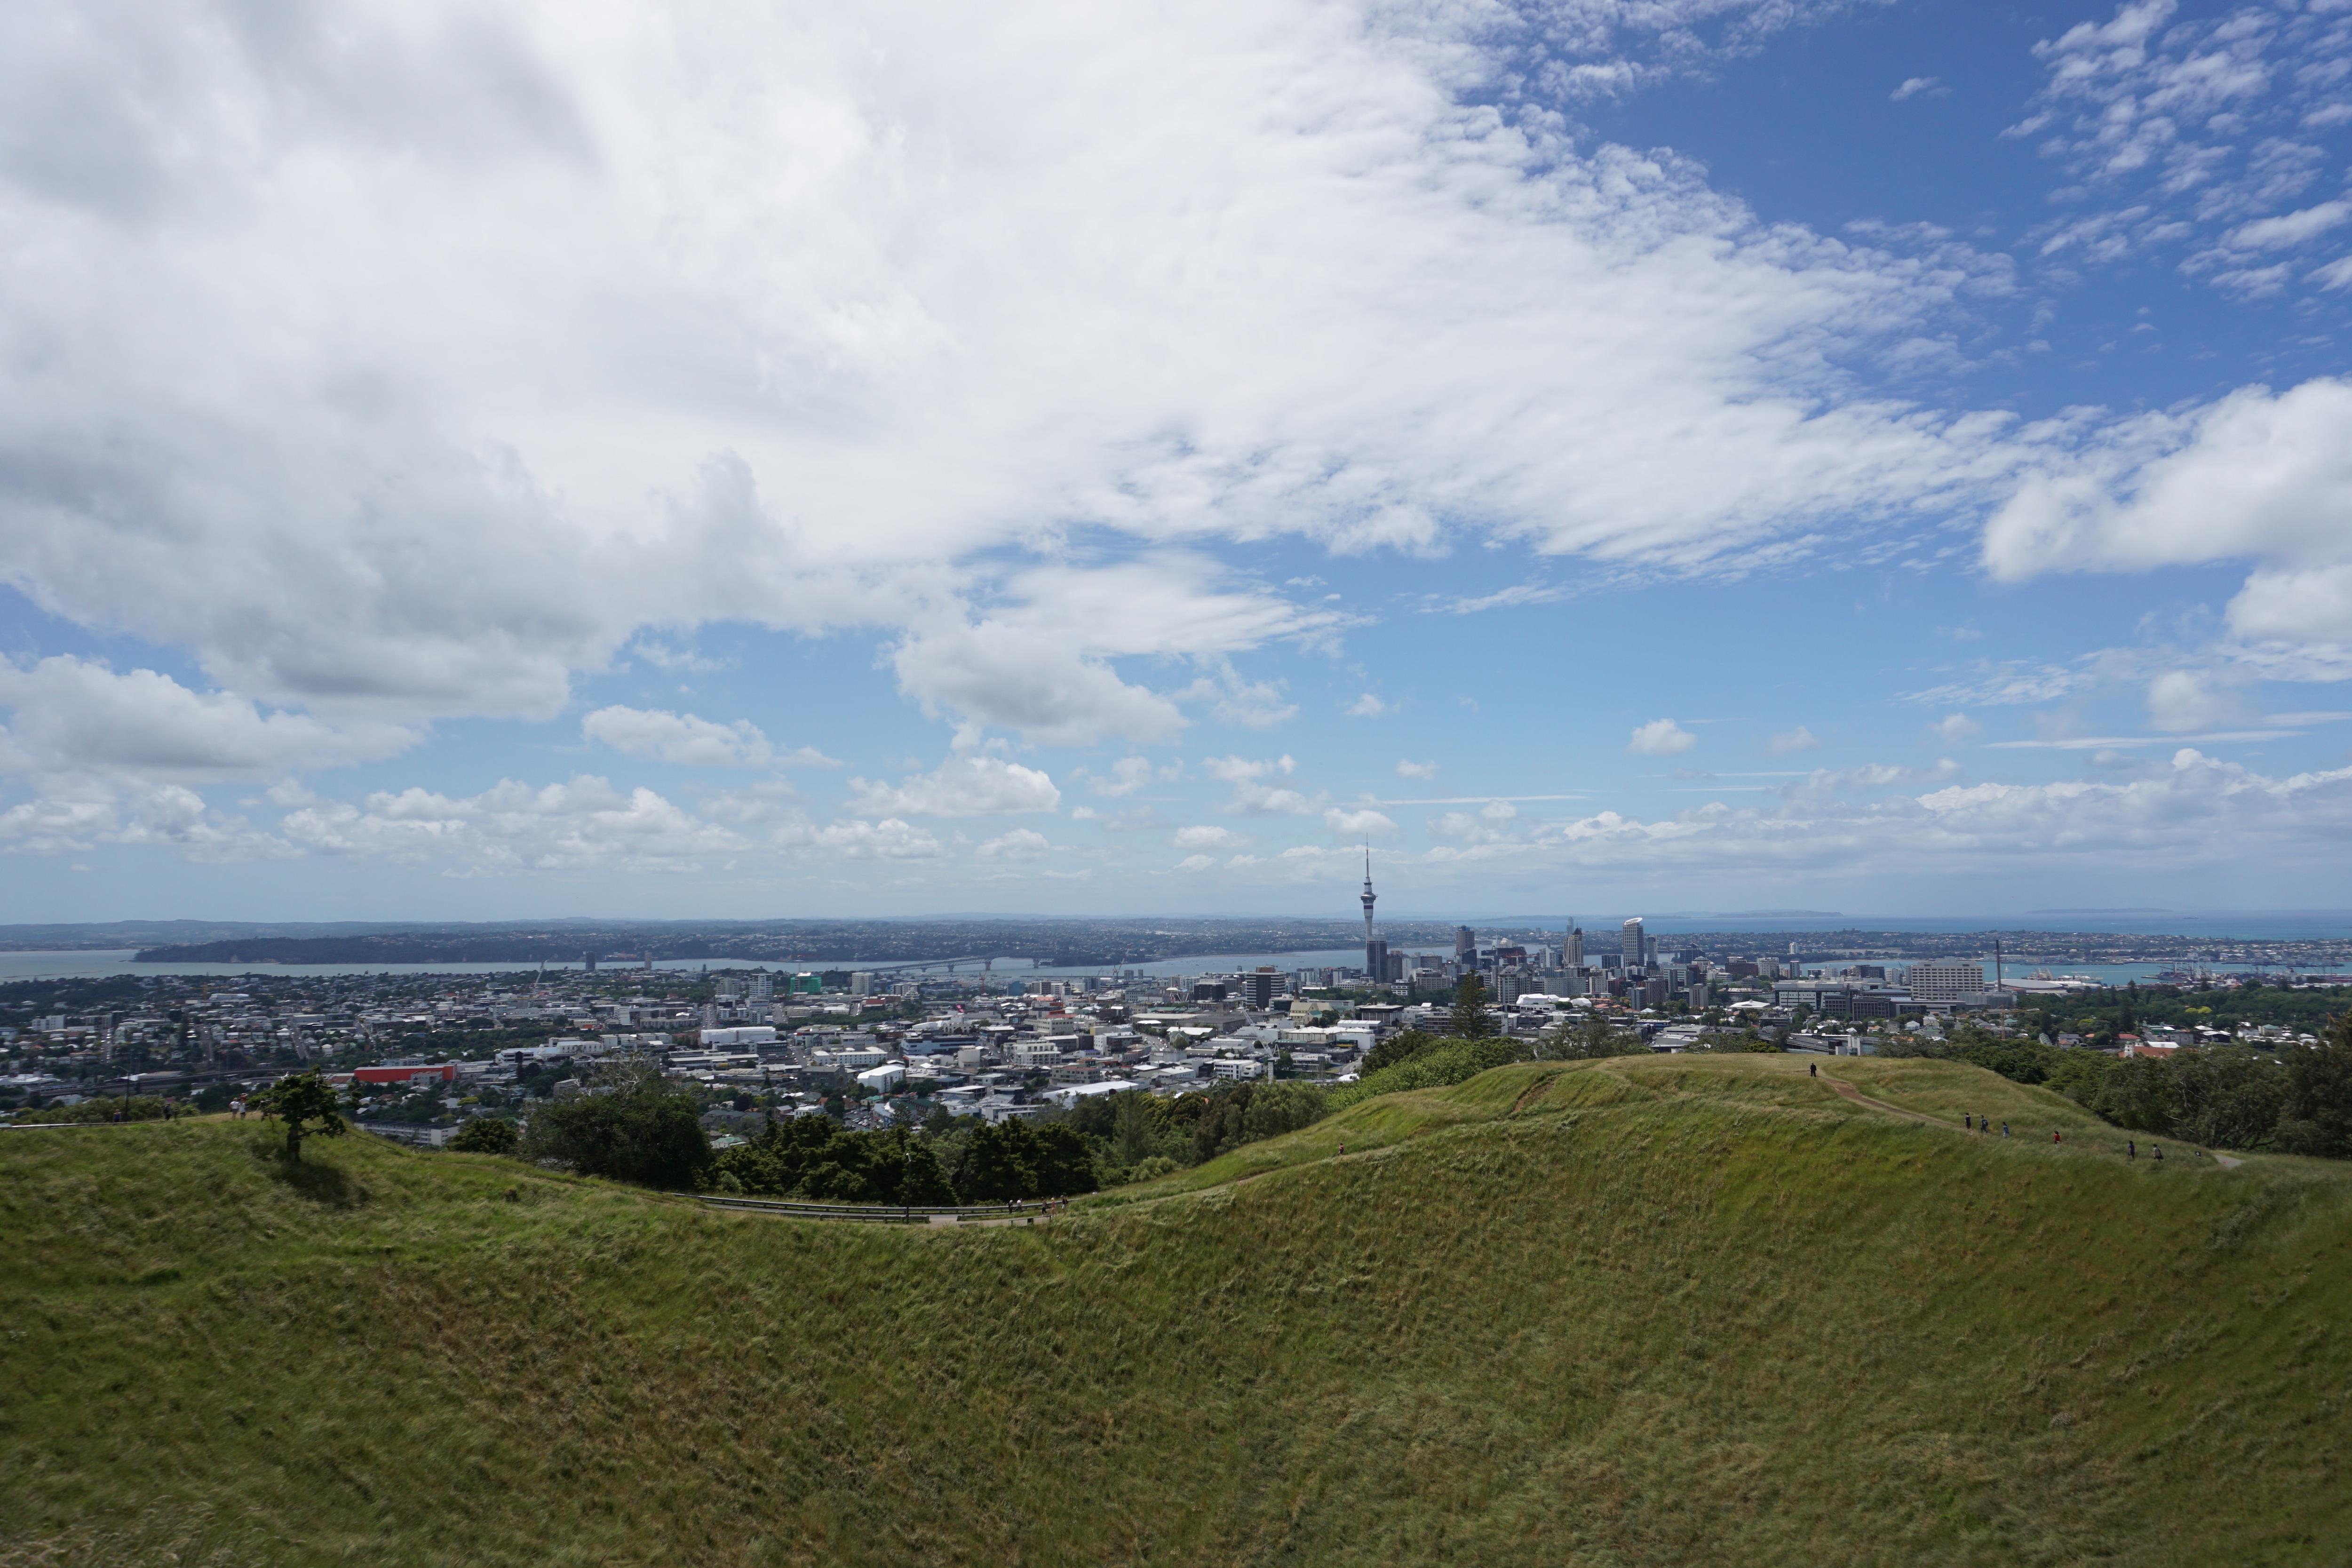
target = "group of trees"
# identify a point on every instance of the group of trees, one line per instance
(2297, 1101)
(817, 1159)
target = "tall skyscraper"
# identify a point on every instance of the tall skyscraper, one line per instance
(1631, 947)
(1572, 946)
(1376, 952)
(1466, 944)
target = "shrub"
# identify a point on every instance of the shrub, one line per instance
(487, 1136)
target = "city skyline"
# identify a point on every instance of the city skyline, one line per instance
(1718, 456)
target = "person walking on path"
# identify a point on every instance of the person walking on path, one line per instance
(1812, 1069)
(2004, 1129)
(1966, 1122)
(2057, 1138)
(2159, 1152)
(2131, 1148)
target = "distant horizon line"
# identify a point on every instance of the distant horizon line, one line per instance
(2141, 912)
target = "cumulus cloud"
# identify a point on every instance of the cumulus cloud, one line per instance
(857, 839)
(1361, 824)
(2196, 812)
(1196, 863)
(76, 716)
(1919, 87)
(1408, 769)
(1954, 728)
(1127, 776)
(1368, 706)
(1231, 700)
(1786, 740)
(513, 827)
(2182, 701)
(2257, 476)
(961, 786)
(85, 815)
(1209, 838)
(682, 739)
(1661, 738)
(1021, 844)
(1255, 791)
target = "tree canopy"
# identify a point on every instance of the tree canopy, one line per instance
(299, 1100)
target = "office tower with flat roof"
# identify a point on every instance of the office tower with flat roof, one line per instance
(1466, 944)
(1631, 948)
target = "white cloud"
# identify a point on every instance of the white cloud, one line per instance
(1127, 776)
(682, 739)
(960, 786)
(79, 817)
(2292, 229)
(1368, 706)
(2193, 132)
(1917, 87)
(857, 839)
(1796, 740)
(2196, 812)
(1207, 837)
(513, 827)
(78, 716)
(1955, 728)
(1255, 792)
(1251, 704)
(1407, 769)
(2182, 701)
(1021, 844)
(1661, 738)
(410, 362)
(2255, 476)
(1196, 863)
(1364, 823)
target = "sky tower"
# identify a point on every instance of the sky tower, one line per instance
(1376, 952)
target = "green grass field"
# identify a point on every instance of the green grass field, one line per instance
(1634, 1310)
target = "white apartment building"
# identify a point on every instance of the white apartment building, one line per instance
(1948, 981)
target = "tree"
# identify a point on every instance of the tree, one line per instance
(998, 1163)
(2317, 1118)
(1400, 1046)
(486, 1135)
(924, 1183)
(303, 1097)
(1065, 1166)
(1279, 1108)
(1470, 1021)
(640, 1131)
(1593, 1038)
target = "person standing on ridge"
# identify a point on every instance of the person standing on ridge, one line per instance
(2131, 1148)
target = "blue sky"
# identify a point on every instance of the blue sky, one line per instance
(488, 461)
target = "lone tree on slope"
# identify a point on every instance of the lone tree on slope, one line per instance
(304, 1098)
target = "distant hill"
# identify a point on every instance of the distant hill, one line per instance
(1638, 1311)
(1068, 944)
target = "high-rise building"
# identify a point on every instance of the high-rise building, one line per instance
(1948, 981)
(1465, 943)
(1632, 949)
(1571, 948)
(1376, 952)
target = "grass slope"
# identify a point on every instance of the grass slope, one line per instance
(1637, 1311)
